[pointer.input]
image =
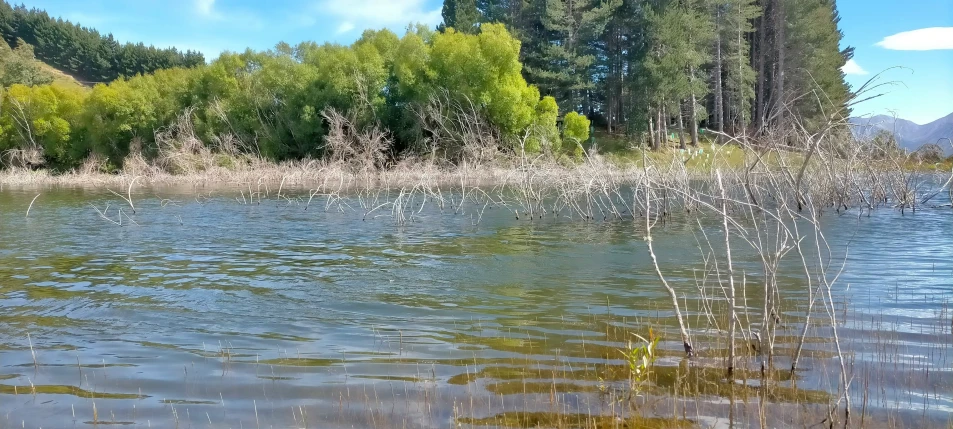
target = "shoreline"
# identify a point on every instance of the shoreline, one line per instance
(494, 174)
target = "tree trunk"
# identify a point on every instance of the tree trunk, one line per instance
(779, 41)
(740, 110)
(761, 54)
(665, 121)
(693, 126)
(719, 87)
(681, 126)
(652, 132)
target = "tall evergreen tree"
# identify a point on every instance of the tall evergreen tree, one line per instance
(733, 77)
(461, 15)
(561, 41)
(681, 40)
(638, 64)
(818, 91)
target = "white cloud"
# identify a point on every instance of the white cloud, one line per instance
(206, 8)
(924, 39)
(853, 69)
(380, 13)
(345, 27)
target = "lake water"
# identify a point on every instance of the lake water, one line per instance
(207, 312)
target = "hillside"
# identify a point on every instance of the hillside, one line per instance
(19, 65)
(909, 135)
(58, 75)
(84, 52)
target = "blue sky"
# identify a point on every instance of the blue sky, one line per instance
(916, 35)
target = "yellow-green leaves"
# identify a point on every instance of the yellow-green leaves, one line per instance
(271, 101)
(544, 133)
(485, 69)
(40, 117)
(575, 131)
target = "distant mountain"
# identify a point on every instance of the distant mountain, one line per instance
(909, 135)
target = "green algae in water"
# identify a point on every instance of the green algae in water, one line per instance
(529, 388)
(64, 390)
(708, 381)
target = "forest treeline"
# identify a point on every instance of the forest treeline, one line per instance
(497, 75)
(647, 65)
(83, 52)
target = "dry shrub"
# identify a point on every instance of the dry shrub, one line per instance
(179, 150)
(93, 164)
(23, 158)
(929, 153)
(362, 149)
(456, 130)
(135, 164)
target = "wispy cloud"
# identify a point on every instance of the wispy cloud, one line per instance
(206, 9)
(379, 13)
(924, 39)
(853, 69)
(345, 27)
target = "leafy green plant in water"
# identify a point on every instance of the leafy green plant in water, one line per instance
(641, 359)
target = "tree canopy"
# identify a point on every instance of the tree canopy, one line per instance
(276, 103)
(639, 65)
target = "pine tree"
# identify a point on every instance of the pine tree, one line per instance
(799, 62)
(681, 40)
(814, 70)
(461, 15)
(733, 77)
(560, 55)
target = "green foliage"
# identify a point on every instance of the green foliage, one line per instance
(734, 63)
(485, 69)
(641, 359)
(461, 15)
(560, 37)
(816, 62)
(734, 25)
(19, 66)
(575, 131)
(271, 103)
(41, 118)
(545, 133)
(681, 37)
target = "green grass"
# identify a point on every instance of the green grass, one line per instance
(59, 76)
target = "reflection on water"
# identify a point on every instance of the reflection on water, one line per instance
(214, 313)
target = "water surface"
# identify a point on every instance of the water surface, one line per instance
(202, 311)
